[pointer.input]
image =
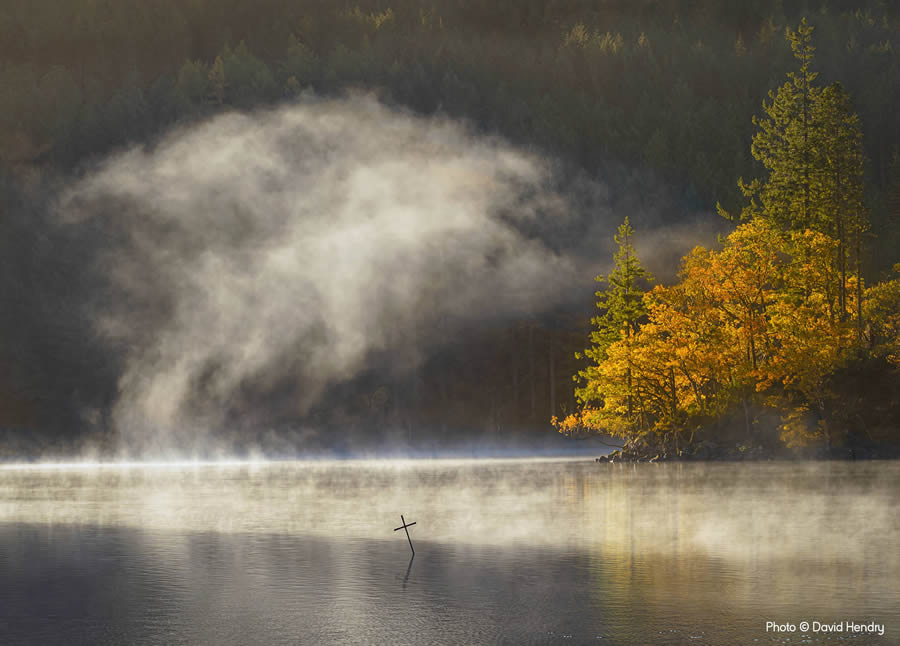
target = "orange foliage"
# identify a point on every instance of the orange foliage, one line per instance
(757, 320)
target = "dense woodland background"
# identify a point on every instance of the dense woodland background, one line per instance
(668, 87)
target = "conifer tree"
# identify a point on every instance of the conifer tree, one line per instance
(217, 81)
(810, 141)
(621, 302)
(890, 224)
(622, 310)
(892, 197)
(785, 143)
(839, 182)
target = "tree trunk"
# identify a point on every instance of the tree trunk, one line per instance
(630, 400)
(674, 408)
(859, 280)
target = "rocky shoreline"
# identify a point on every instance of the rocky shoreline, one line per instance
(713, 452)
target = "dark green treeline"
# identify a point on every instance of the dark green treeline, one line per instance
(670, 85)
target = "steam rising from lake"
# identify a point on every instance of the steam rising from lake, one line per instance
(840, 512)
(301, 242)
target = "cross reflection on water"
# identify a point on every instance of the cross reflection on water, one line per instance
(408, 569)
(514, 551)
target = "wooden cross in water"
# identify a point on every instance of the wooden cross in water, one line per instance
(403, 527)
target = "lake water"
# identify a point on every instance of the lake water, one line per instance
(507, 551)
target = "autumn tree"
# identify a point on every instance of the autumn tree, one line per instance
(809, 341)
(696, 349)
(883, 317)
(751, 324)
(740, 282)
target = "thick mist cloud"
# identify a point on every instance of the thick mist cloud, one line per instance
(301, 241)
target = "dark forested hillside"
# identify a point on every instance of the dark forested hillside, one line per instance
(667, 86)
(670, 85)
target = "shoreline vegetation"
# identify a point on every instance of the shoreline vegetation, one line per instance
(771, 345)
(709, 451)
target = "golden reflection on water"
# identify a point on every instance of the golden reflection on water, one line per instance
(743, 511)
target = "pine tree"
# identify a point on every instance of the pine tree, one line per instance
(892, 204)
(839, 182)
(785, 143)
(217, 81)
(621, 303)
(622, 309)
(811, 143)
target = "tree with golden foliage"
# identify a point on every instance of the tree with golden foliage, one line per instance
(753, 324)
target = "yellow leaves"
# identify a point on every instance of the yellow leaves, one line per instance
(572, 425)
(375, 20)
(811, 345)
(587, 420)
(758, 315)
(383, 18)
(799, 428)
(882, 313)
(579, 37)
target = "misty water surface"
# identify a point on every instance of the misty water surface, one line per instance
(507, 551)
